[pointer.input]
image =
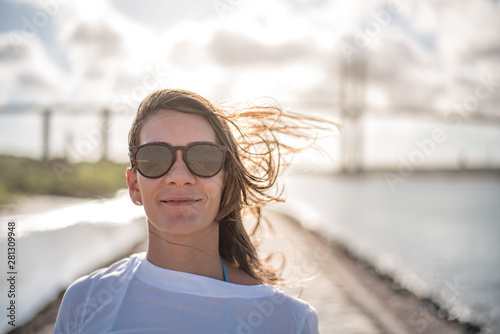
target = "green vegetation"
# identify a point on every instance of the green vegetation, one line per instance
(25, 176)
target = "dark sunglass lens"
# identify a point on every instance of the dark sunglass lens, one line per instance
(205, 160)
(153, 160)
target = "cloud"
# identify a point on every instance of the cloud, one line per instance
(468, 29)
(160, 15)
(30, 81)
(28, 73)
(12, 53)
(229, 49)
(428, 54)
(97, 39)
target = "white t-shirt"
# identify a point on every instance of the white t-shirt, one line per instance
(135, 296)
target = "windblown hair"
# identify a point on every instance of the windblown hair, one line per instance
(260, 139)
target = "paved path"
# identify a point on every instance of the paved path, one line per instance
(342, 302)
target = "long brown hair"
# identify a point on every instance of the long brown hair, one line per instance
(259, 138)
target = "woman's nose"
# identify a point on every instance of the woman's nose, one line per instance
(179, 174)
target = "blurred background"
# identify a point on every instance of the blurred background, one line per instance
(411, 183)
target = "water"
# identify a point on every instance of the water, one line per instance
(57, 246)
(436, 234)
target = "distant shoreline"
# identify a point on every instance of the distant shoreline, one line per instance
(298, 169)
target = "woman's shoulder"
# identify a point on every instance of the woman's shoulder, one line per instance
(240, 277)
(89, 293)
(276, 295)
(299, 310)
(115, 272)
(280, 307)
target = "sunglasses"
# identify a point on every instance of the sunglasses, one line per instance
(153, 160)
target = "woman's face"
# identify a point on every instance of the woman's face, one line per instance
(178, 203)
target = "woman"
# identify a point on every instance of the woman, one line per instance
(195, 171)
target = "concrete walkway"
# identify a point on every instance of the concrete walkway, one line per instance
(342, 302)
(348, 297)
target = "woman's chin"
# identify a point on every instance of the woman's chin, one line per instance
(180, 226)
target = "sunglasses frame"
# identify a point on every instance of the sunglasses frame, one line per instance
(133, 152)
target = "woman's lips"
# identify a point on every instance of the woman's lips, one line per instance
(180, 201)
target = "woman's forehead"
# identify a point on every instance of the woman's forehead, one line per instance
(176, 128)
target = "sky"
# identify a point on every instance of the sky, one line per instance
(421, 57)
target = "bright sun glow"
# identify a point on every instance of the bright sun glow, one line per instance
(377, 98)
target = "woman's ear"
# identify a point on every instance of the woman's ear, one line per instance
(133, 186)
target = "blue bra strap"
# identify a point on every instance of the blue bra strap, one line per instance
(224, 269)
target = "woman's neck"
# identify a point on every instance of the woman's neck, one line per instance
(191, 254)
